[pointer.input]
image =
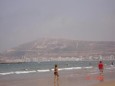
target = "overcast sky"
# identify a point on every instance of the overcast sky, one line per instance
(22, 21)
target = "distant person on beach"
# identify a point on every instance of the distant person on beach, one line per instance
(101, 67)
(56, 76)
(112, 63)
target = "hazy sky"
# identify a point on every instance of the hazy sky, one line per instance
(22, 21)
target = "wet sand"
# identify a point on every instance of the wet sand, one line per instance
(108, 83)
(66, 78)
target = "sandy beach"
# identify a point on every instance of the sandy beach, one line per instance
(108, 83)
(66, 78)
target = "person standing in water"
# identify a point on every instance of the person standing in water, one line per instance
(112, 63)
(101, 67)
(56, 76)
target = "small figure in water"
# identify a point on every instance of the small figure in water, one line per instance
(56, 76)
(101, 67)
(111, 63)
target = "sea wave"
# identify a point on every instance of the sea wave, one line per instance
(74, 68)
(88, 67)
(71, 68)
(47, 70)
(43, 70)
(7, 73)
(21, 72)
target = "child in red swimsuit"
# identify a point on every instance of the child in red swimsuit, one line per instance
(101, 66)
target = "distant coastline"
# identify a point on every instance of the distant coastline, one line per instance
(59, 50)
(13, 62)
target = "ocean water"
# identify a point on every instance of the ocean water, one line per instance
(36, 67)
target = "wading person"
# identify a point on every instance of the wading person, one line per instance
(101, 67)
(112, 64)
(56, 76)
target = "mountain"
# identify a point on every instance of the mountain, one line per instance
(54, 48)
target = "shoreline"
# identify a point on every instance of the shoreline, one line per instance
(67, 78)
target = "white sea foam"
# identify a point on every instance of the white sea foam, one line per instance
(70, 68)
(109, 68)
(88, 67)
(74, 68)
(7, 73)
(21, 72)
(47, 70)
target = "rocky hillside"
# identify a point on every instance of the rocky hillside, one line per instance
(61, 47)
